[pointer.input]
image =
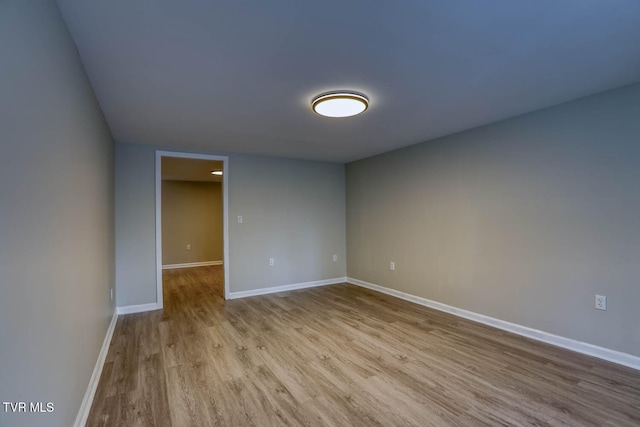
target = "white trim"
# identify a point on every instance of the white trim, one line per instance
(87, 401)
(292, 287)
(614, 356)
(192, 264)
(140, 308)
(225, 214)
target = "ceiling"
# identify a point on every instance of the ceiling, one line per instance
(183, 169)
(239, 76)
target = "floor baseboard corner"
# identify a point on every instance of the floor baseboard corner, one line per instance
(284, 288)
(87, 401)
(192, 264)
(139, 308)
(614, 356)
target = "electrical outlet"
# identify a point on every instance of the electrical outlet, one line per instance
(392, 265)
(601, 302)
(188, 247)
(335, 258)
(272, 262)
(239, 219)
(111, 293)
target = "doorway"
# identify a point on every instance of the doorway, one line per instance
(179, 167)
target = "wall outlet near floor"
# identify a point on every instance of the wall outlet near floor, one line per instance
(335, 258)
(392, 265)
(601, 302)
(272, 262)
(239, 219)
(188, 247)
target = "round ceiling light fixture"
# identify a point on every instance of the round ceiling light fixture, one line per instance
(216, 172)
(340, 103)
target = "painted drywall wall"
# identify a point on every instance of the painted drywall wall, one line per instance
(191, 216)
(135, 224)
(56, 217)
(524, 220)
(293, 211)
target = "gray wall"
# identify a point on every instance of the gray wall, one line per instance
(56, 217)
(524, 220)
(191, 215)
(293, 211)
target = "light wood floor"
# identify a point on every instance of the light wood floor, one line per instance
(341, 355)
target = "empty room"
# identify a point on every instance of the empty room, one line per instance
(266, 213)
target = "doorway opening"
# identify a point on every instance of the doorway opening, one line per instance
(191, 215)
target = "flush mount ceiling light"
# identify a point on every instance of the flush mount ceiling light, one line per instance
(216, 172)
(341, 103)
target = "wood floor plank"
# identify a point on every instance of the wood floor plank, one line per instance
(154, 390)
(289, 373)
(186, 409)
(341, 355)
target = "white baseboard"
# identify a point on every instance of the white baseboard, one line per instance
(87, 401)
(614, 356)
(130, 309)
(273, 290)
(192, 264)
